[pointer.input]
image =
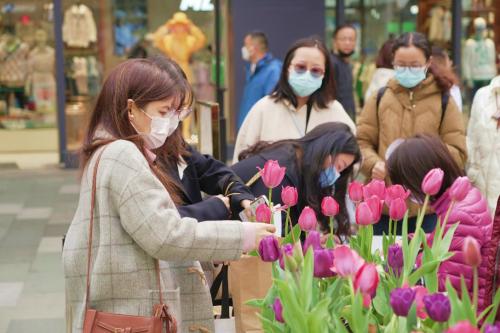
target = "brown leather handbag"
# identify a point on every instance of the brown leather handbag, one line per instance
(105, 322)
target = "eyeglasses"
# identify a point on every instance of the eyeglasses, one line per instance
(412, 69)
(315, 71)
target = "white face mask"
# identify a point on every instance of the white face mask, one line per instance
(161, 129)
(245, 54)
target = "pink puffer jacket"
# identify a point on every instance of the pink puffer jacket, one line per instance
(475, 220)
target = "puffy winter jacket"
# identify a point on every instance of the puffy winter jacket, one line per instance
(483, 142)
(474, 220)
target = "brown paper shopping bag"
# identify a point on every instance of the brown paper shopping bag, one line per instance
(249, 278)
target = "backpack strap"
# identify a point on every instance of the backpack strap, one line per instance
(445, 97)
(380, 94)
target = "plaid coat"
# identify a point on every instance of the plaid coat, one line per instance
(135, 221)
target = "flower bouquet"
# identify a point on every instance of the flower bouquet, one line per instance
(322, 286)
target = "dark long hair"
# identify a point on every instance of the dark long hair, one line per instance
(321, 97)
(324, 140)
(415, 157)
(439, 57)
(384, 56)
(144, 81)
(443, 79)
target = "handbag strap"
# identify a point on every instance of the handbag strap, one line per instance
(91, 227)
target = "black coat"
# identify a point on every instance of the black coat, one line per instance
(206, 174)
(286, 157)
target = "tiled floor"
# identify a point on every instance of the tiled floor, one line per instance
(36, 208)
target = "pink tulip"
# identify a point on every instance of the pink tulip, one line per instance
(269, 249)
(375, 187)
(397, 209)
(432, 181)
(366, 279)
(472, 252)
(463, 327)
(289, 196)
(307, 219)
(420, 292)
(376, 204)
(346, 262)
(323, 260)
(329, 207)
(356, 191)
(272, 174)
(263, 213)
(394, 192)
(278, 310)
(367, 301)
(313, 240)
(460, 188)
(364, 214)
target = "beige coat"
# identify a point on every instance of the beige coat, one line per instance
(403, 113)
(135, 222)
(273, 121)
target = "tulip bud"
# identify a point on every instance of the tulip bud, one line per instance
(329, 206)
(307, 219)
(376, 206)
(394, 192)
(395, 258)
(460, 188)
(298, 255)
(272, 174)
(286, 258)
(355, 191)
(366, 279)
(432, 181)
(364, 214)
(420, 292)
(263, 213)
(278, 310)
(463, 327)
(438, 307)
(402, 300)
(323, 260)
(289, 196)
(269, 250)
(397, 209)
(472, 253)
(346, 262)
(313, 240)
(374, 188)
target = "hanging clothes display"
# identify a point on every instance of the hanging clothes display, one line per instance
(13, 61)
(79, 28)
(43, 85)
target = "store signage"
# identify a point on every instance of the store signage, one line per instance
(197, 5)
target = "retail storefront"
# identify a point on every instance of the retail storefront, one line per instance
(54, 54)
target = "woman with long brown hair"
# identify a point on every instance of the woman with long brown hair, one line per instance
(135, 220)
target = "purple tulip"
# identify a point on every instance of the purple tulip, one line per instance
(438, 307)
(278, 310)
(401, 300)
(489, 328)
(313, 240)
(323, 260)
(269, 249)
(395, 258)
(286, 254)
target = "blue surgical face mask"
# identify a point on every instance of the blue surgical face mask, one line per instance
(328, 177)
(409, 77)
(304, 84)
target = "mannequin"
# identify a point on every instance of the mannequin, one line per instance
(479, 58)
(79, 28)
(178, 39)
(40, 82)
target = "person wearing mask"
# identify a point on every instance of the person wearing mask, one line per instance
(136, 222)
(408, 165)
(303, 99)
(483, 141)
(415, 101)
(344, 45)
(442, 60)
(384, 71)
(262, 71)
(318, 164)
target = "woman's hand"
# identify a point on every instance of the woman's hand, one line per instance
(224, 199)
(263, 230)
(379, 172)
(253, 234)
(245, 203)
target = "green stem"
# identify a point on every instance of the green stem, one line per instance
(475, 290)
(351, 289)
(286, 221)
(270, 196)
(446, 217)
(420, 219)
(331, 228)
(390, 231)
(271, 205)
